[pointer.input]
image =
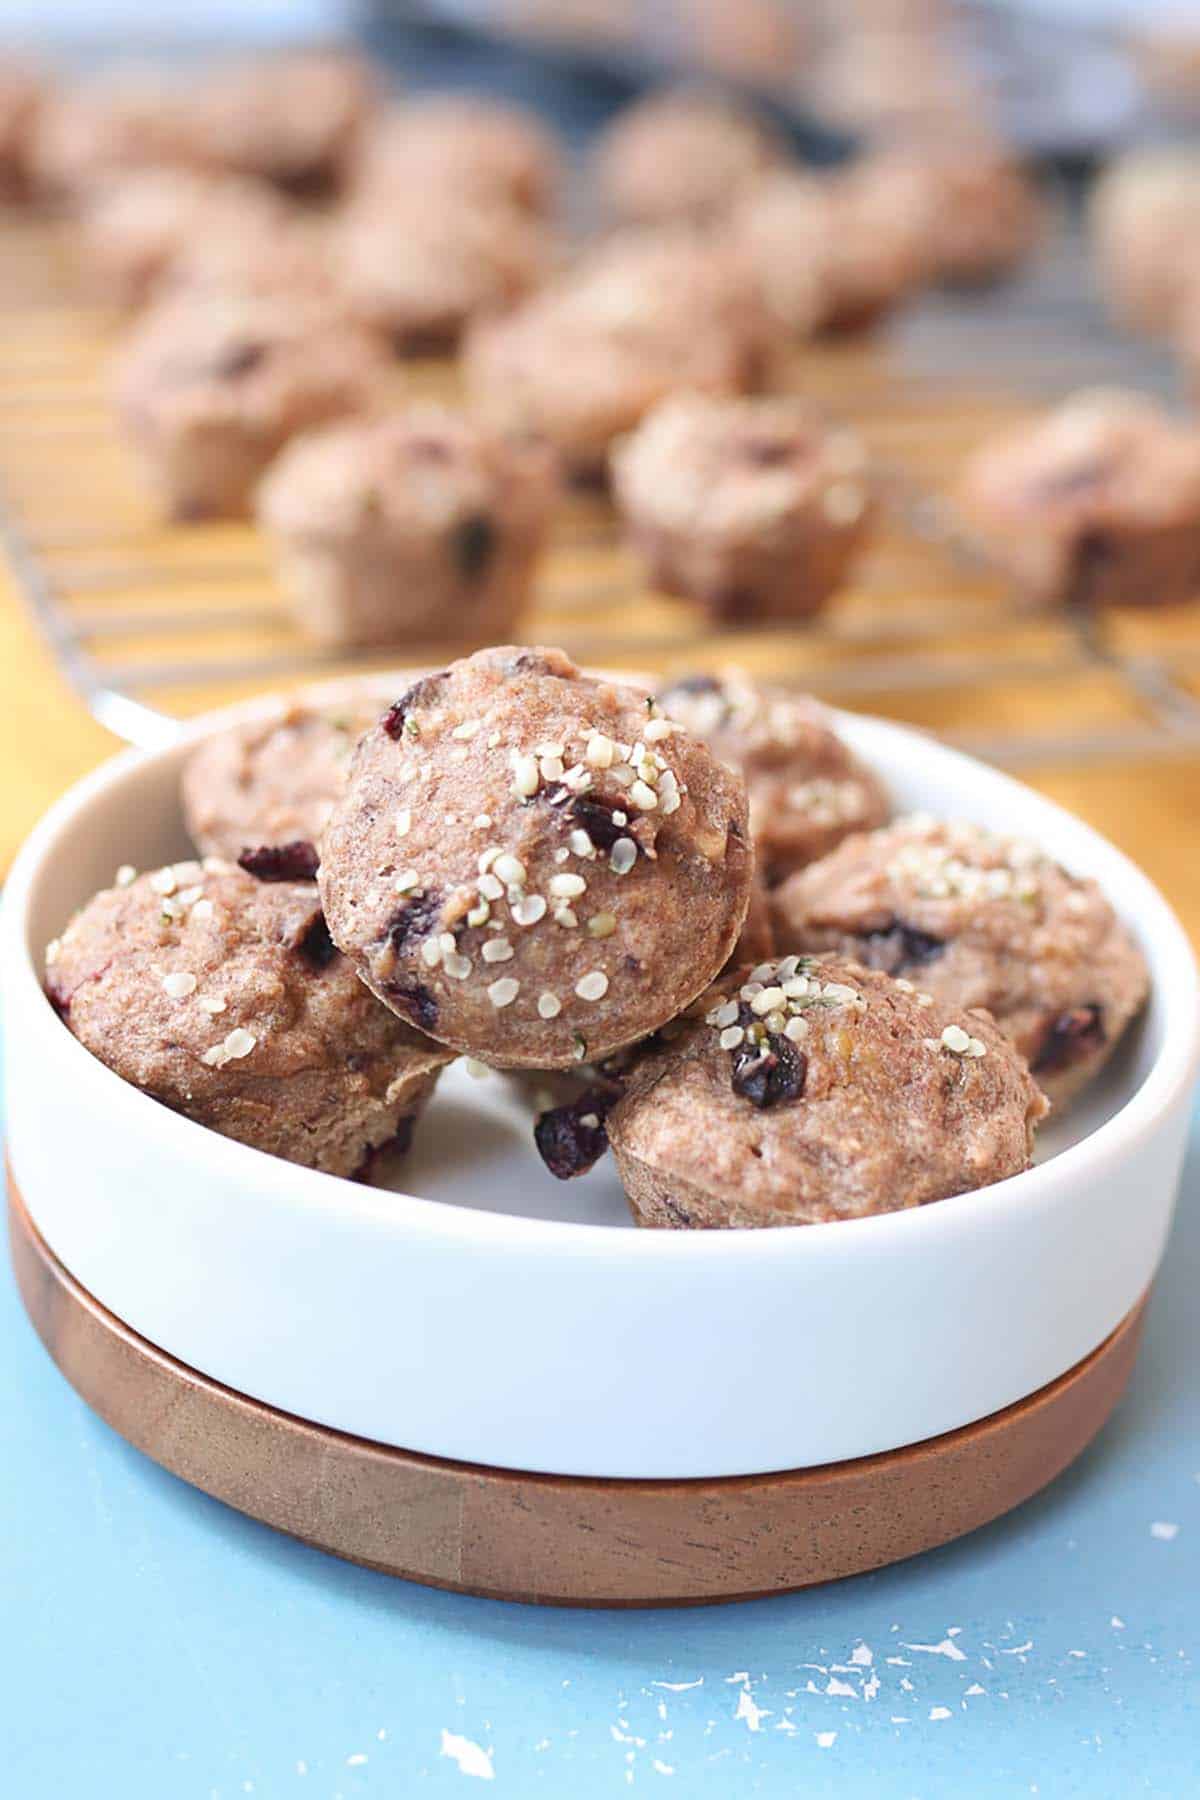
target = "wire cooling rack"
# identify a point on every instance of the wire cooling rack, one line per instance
(152, 621)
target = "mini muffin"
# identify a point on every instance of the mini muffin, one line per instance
(1096, 503)
(294, 119)
(419, 268)
(292, 259)
(680, 156)
(753, 507)
(804, 1091)
(21, 100)
(460, 147)
(210, 387)
(132, 118)
(978, 920)
(223, 997)
(636, 319)
(418, 525)
(135, 227)
(831, 253)
(533, 864)
(807, 789)
(274, 779)
(979, 214)
(1144, 219)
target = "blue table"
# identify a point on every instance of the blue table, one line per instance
(160, 1647)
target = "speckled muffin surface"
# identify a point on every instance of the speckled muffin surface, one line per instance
(978, 920)
(223, 997)
(640, 317)
(274, 779)
(754, 507)
(534, 865)
(414, 525)
(211, 386)
(807, 789)
(1095, 504)
(802, 1091)
(681, 156)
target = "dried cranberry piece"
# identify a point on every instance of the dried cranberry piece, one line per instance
(415, 1002)
(421, 693)
(59, 1001)
(239, 359)
(568, 1141)
(413, 922)
(594, 812)
(899, 946)
(1068, 1038)
(397, 1145)
(316, 946)
(473, 544)
(297, 861)
(770, 1073)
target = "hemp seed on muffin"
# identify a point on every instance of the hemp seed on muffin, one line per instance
(756, 508)
(223, 997)
(533, 864)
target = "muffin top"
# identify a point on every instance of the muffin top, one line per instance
(533, 864)
(806, 1090)
(458, 147)
(681, 155)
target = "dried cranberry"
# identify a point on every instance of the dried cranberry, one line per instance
(239, 359)
(899, 946)
(473, 544)
(769, 1073)
(594, 812)
(420, 693)
(1068, 1038)
(316, 946)
(413, 922)
(397, 1145)
(415, 1002)
(59, 1001)
(568, 1140)
(297, 861)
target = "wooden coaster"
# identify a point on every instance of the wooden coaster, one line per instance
(558, 1539)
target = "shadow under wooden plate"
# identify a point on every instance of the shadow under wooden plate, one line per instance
(554, 1539)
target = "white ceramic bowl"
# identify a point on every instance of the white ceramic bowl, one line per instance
(504, 1318)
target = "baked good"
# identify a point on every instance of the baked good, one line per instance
(979, 215)
(21, 98)
(1096, 503)
(420, 524)
(1144, 221)
(680, 156)
(222, 996)
(294, 118)
(756, 507)
(273, 779)
(419, 267)
(532, 864)
(807, 789)
(832, 253)
(459, 147)
(294, 258)
(637, 318)
(805, 1091)
(210, 387)
(132, 229)
(132, 117)
(977, 919)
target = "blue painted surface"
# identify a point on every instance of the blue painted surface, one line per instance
(157, 1646)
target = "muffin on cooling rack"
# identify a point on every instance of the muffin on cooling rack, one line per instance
(1095, 504)
(978, 214)
(293, 119)
(1144, 218)
(419, 268)
(133, 228)
(21, 99)
(533, 864)
(802, 1091)
(457, 147)
(274, 779)
(682, 156)
(976, 919)
(806, 787)
(88, 131)
(210, 388)
(638, 318)
(221, 994)
(753, 507)
(832, 253)
(420, 525)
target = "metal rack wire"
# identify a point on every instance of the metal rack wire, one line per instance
(150, 621)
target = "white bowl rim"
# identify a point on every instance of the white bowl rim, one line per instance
(1173, 1070)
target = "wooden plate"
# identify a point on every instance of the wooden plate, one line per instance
(555, 1539)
